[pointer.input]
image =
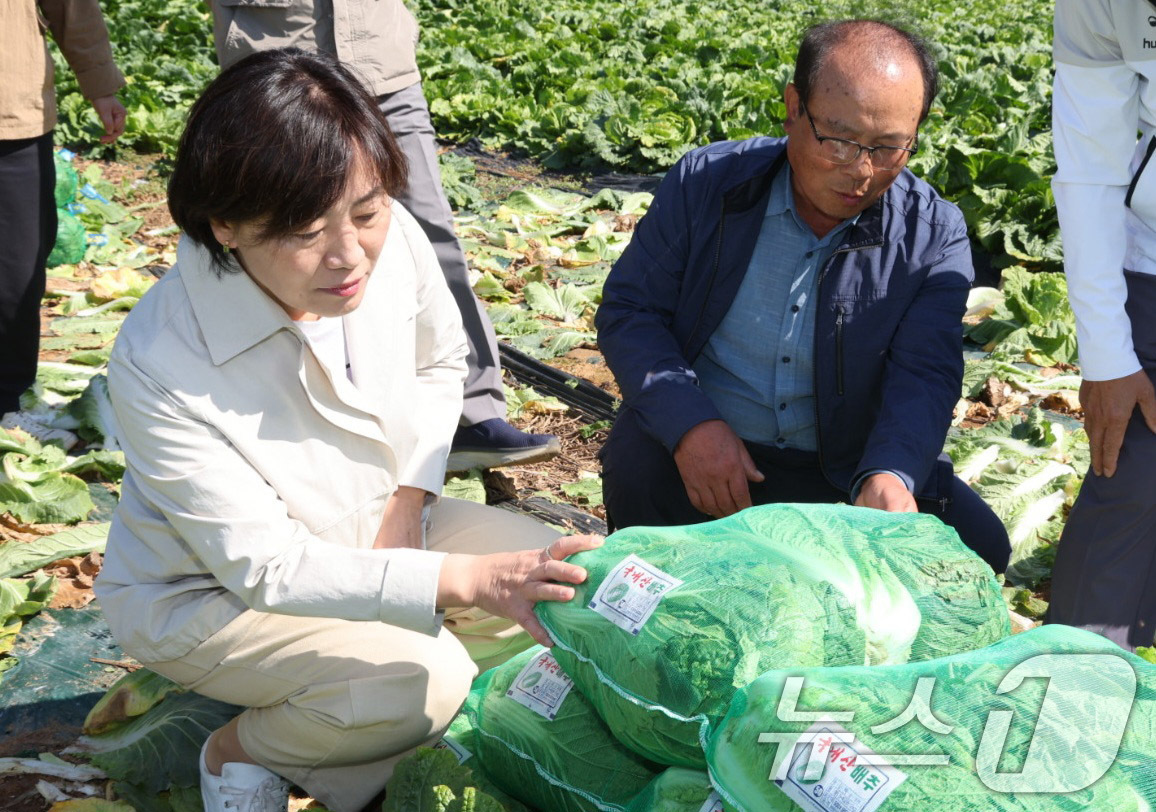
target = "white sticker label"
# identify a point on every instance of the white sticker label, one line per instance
(629, 595)
(713, 804)
(542, 686)
(449, 744)
(845, 776)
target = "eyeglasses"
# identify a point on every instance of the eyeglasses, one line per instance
(845, 151)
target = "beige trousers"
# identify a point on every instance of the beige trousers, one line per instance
(332, 705)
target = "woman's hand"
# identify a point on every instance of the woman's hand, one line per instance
(509, 584)
(401, 524)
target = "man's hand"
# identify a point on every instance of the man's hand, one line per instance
(112, 116)
(886, 492)
(715, 468)
(1108, 406)
(401, 524)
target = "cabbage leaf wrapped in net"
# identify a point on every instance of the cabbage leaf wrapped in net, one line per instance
(772, 587)
(678, 789)
(1055, 718)
(570, 763)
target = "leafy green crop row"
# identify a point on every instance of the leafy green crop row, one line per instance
(581, 83)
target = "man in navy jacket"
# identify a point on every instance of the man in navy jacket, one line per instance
(785, 325)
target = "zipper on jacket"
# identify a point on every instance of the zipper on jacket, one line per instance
(815, 367)
(838, 350)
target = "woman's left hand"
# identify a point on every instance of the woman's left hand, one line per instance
(401, 524)
(509, 584)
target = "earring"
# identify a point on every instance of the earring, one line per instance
(225, 247)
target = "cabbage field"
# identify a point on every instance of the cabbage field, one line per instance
(557, 119)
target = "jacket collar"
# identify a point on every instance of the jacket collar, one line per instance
(751, 191)
(232, 312)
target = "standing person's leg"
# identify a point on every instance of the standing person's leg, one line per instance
(27, 233)
(1104, 578)
(485, 439)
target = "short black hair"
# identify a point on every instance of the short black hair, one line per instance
(273, 139)
(820, 39)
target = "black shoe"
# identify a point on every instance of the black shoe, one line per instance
(494, 443)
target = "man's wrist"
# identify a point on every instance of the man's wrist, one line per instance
(861, 480)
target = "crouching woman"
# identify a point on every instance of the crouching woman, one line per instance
(286, 397)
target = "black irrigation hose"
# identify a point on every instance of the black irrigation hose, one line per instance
(572, 519)
(581, 396)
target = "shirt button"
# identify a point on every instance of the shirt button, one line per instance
(781, 440)
(786, 359)
(782, 407)
(794, 308)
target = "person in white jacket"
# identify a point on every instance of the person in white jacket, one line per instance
(378, 40)
(1105, 190)
(286, 396)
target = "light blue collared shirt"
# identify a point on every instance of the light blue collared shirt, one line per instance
(758, 366)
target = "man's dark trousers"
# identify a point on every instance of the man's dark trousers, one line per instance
(27, 233)
(1105, 574)
(641, 485)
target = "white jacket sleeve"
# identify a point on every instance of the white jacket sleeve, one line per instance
(1095, 117)
(234, 522)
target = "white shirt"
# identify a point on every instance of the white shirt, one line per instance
(326, 338)
(1105, 55)
(256, 479)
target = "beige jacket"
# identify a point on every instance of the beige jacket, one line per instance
(377, 38)
(257, 479)
(27, 94)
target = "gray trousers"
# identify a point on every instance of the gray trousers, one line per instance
(408, 116)
(1104, 578)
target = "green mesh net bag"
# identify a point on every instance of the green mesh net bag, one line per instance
(672, 620)
(1053, 719)
(459, 740)
(540, 741)
(678, 789)
(67, 181)
(71, 240)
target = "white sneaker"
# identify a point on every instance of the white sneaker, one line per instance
(242, 787)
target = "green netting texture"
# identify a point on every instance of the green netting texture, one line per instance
(676, 789)
(1037, 722)
(71, 240)
(772, 587)
(569, 764)
(461, 738)
(67, 181)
